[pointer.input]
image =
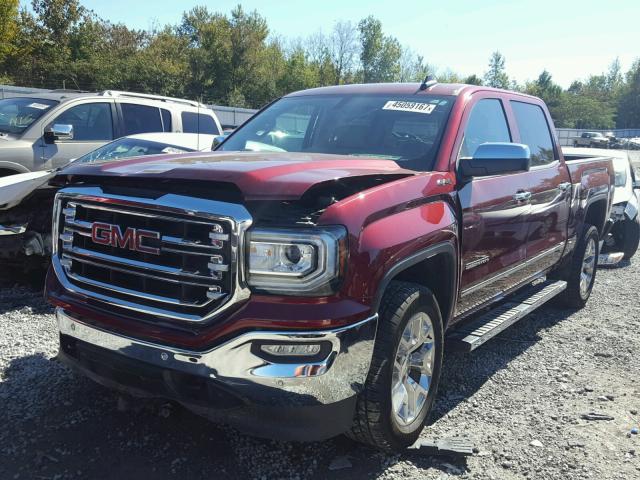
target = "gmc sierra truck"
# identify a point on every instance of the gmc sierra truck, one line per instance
(302, 280)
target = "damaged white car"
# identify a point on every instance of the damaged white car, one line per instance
(622, 240)
(26, 199)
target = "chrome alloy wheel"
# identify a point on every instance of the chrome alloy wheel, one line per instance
(588, 266)
(412, 369)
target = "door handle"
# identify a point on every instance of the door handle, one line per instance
(564, 186)
(522, 196)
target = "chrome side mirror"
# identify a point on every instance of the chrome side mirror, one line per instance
(59, 131)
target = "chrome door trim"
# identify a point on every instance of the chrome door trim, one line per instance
(512, 270)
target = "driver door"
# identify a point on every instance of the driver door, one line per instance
(93, 126)
(494, 218)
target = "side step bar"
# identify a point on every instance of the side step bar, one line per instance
(471, 335)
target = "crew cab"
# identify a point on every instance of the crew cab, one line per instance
(45, 132)
(303, 280)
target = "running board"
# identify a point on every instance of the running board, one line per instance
(471, 335)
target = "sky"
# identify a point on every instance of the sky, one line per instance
(571, 39)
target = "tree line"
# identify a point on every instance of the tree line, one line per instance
(234, 59)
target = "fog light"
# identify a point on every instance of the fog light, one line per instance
(291, 349)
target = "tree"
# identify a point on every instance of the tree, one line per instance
(379, 54)
(8, 27)
(496, 76)
(344, 50)
(472, 80)
(629, 103)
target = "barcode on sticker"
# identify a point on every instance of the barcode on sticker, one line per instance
(403, 106)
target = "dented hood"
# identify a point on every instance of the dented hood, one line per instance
(14, 188)
(258, 175)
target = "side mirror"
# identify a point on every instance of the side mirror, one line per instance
(58, 131)
(495, 159)
(217, 140)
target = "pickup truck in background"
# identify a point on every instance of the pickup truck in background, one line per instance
(591, 139)
(301, 281)
(45, 132)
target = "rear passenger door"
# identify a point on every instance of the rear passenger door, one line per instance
(549, 185)
(494, 221)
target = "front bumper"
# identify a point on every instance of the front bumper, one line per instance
(294, 398)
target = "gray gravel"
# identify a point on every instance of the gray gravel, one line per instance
(520, 399)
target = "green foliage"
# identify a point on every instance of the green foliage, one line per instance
(497, 76)
(8, 27)
(234, 59)
(379, 54)
(629, 99)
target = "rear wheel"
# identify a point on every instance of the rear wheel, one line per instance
(405, 369)
(581, 272)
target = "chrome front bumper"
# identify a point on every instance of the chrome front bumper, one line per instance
(339, 373)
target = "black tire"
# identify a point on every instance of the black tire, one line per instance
(574, 296)
(628, 237)
(374, 423)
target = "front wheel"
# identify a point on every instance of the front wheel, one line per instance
(405, 369)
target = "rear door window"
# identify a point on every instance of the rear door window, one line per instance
(487, 123)
(199, 123)
(534, 132)
(140, 119)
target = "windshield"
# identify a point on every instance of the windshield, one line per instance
(403, 128)
(17, 114)
(130, 147)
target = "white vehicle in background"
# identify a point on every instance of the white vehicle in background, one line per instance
(622, 241)
(26, 199)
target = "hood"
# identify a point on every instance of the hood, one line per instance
(258, 175)
(14, 188)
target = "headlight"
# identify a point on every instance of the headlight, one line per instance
(620, 178)
(296, 262)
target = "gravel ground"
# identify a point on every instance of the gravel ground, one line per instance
(519, 399)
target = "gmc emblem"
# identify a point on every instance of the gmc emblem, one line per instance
(107, 234)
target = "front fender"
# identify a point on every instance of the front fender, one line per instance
(389, 224)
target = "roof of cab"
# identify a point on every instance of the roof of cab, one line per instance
(390, 88)
(401, 89)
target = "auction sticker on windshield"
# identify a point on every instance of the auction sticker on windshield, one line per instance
(403, 106)
(39, 106)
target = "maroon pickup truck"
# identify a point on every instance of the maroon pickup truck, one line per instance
(303, 280)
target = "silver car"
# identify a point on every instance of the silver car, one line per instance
(45, 132)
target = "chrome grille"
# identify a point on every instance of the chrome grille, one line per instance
(175, 257)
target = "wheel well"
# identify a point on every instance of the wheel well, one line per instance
(596, 214)
(5, 172)
(442, 283)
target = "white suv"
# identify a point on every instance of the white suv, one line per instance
(47, 130)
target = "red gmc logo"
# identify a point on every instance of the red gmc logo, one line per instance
(107, 234)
